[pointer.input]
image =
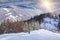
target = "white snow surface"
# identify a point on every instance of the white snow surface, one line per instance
(34, 35)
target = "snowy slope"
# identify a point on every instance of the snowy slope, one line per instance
(21, 9)
(17, 12)
(34, 35)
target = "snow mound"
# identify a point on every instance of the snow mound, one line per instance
(34, 35)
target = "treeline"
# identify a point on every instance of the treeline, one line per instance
(11, 27)
(8, 26)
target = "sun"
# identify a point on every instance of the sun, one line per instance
(47, 4)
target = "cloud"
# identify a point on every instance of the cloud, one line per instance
(26, 8)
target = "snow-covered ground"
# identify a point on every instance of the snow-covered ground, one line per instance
(34, 35)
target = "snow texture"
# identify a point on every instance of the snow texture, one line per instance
(49, 23)
(34, 35)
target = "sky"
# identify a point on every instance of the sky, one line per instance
(50, 5)
(44, 5)
(29, 8)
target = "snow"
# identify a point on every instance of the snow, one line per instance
(49, 23)
(6, 9)
(34, 35)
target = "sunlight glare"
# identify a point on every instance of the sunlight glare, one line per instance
(47, 4)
